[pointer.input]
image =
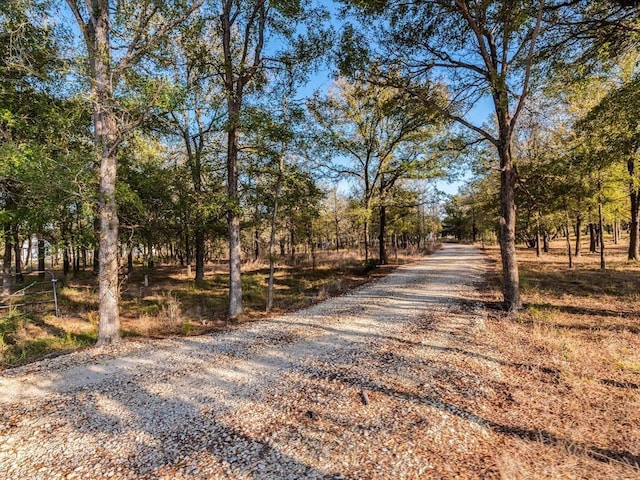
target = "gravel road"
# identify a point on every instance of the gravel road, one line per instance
(339, 390)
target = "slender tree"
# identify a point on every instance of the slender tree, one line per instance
(137, 26)
(383, 133)
(242, 63)
(246, 26)
(196, 117)
(612, 127)
(480, 50)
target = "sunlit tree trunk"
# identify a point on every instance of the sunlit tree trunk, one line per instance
(603, 263)
(233, 216)
(96, 247)
(383, 259)
(272, 236)
(568, 238)
(239, 69)
(510, 277)
(545, 242)
(105, 131)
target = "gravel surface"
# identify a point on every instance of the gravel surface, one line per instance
(343, 389)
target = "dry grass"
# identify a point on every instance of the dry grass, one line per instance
(570, 362)
(173, 304)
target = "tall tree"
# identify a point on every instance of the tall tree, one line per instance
(246, 26)
(613, 126)
(242, 63)
(480, 50)
(42, 130)
(196, 117)
(135, 26)
(383, 135)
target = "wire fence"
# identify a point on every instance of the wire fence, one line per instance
(29, 293)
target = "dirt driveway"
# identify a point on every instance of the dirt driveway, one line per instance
(350, 388)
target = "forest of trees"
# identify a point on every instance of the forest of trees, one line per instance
(185, 132)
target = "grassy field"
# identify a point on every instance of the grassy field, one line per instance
(573, 360)
(173, 304)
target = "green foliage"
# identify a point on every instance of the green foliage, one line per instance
(613, 124)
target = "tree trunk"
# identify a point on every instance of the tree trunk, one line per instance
(592, 238)
(510, 277)
(235, 80)
(292, 245)
(41, 256)
(76, 260)
(394, 243)
(96, 247)
(272, 236)
(312, 248)
(130, 260)
(634, 232)
(545, 242)
(256, 244)
(538, 253)
(187, 248)
(199, 236)
(66, 259)
(150, 260)
(578, 235)
(17, 248)
(235, 309)
(421, 236)
(634, 200)
(568, 240)
(381, 239)
(603, 264)
(199, 244)
(108, 293)
(27, 261)
(366, 241)
(106, 141)
(8, 249)
(336, 222)
(474, 228)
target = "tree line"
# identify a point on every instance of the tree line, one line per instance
(175, 131)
